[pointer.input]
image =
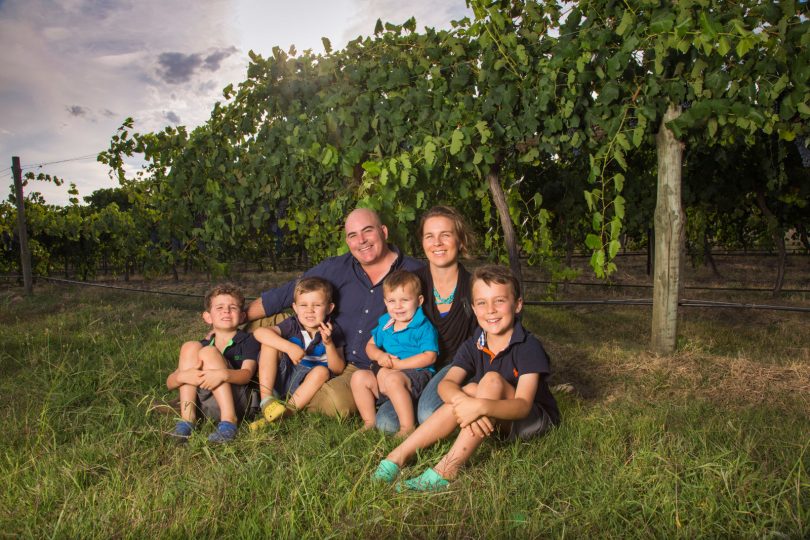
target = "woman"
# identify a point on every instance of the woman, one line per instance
(446, 288)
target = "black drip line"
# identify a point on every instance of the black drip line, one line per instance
(547, 303)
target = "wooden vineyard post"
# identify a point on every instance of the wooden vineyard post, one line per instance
(25, 254)
(669, 227)
(510, 239)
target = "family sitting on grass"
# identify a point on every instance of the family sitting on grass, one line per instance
(379, 333)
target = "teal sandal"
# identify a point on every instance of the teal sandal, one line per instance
(429, 480)
(387, 471)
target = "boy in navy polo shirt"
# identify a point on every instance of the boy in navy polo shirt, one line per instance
(497, 382)
(299, 355)
(215, 373)
(404, 345)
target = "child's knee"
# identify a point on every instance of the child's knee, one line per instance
(261, 334)
(361, 378)
(190, 347)
(211, 357)
(319, 373)
(492, 382)
(268, 355)
(189, 354)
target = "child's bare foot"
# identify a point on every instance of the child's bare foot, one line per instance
(367, 427)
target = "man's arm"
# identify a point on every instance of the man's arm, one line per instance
(272, 301)
(280, 298)
(255, 310)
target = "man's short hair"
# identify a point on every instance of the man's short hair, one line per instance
(402, 278)
(493, 273)
(312, 284)
(225, 288)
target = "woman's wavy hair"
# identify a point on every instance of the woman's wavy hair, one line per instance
(466, 238)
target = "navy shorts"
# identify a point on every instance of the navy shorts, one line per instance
(419, 379)
(535, 424)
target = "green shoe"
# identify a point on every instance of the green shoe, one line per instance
(387, 471)
(429, 480)
(273, 410)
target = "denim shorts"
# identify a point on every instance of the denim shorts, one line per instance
(290, 376)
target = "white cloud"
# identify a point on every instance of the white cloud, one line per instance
(74, 69)
(427, 14)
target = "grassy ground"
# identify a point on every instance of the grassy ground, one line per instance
(711, 442)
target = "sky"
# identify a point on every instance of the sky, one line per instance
(71, 71)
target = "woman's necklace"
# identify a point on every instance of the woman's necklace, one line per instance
(440, 300)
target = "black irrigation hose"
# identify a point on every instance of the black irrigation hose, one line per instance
(130, 289)
(117, 288)
(641, 286)
(648, 302)
(628, 302)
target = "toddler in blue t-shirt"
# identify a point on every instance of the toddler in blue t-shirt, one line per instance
(403, 347)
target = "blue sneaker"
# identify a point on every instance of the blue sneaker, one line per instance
(225, 433)
(182, 431)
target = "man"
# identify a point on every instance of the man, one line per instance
(357, 277)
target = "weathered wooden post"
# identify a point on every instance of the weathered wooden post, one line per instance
(22, 231)
(669, 226)
(509, 237)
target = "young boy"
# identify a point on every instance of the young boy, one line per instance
(215, 373)
(300, 354)
(404, 345)
(505, 369)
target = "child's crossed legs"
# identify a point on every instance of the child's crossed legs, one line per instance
(443, 423)
(195, 356)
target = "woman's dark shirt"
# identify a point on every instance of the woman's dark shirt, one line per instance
(458, 324)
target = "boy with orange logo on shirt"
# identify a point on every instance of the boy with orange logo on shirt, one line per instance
(497, 383)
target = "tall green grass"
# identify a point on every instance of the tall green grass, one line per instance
(642, 452)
